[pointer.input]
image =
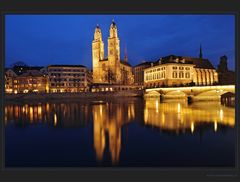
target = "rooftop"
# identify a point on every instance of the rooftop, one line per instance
(64, 65)
(124, 62)
(144, 63)
(31, 73)
(198, 62)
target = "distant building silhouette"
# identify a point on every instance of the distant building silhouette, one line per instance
(225, 76)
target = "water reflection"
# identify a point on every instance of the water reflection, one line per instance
(53, 114)
(181, 116)
(108, 118)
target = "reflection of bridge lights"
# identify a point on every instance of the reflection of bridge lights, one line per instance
(101, 110)
(157, 106)
(215, 126)
(146, 115)
(192, 127)
(221, 114)
(163, 118)
(178, 108)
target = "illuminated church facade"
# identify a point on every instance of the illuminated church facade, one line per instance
(110, 70)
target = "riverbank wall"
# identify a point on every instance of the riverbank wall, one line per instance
(73, 96)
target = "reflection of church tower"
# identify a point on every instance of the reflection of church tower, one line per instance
(114, 51)
(114, 140)
(97, 54)
(99, 118)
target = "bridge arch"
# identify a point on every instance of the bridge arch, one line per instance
(210, 94)
(175, 94)
(152, 94)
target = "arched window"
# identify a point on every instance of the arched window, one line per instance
(174, 74)
(181, 74)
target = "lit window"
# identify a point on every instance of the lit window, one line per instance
(181, 74)
(174, 74)
(187, 75)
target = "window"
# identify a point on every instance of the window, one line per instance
(187, 75)
(174, 74)
(174, 67)
(187, 68)
(181, 68)
(181, 74)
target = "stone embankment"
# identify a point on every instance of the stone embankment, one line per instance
(73, 96)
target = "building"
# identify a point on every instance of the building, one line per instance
(31, 80)
(225, 76)
(110, 70)
(24, 79)
(138, 72)
(9, 80)
(179, 71)
(69, 78)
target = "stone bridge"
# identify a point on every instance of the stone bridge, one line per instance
(193, 92)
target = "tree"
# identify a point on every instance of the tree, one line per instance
(18, 63)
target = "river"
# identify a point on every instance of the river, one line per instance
(126, 132)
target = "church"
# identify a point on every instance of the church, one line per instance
(110, 70)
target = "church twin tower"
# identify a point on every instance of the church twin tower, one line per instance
(107, 70)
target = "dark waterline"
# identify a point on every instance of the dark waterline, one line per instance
(128, 132)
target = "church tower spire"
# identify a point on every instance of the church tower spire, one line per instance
(114, 51)
(113, 29)
(200, 52)
(97, 53)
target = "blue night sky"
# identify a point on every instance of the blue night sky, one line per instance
(40, 40)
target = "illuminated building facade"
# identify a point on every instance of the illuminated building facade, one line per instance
(138, 72)
(9, 80)
(109, 70)
(179, 71)
(31, 81)
(69, 78)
